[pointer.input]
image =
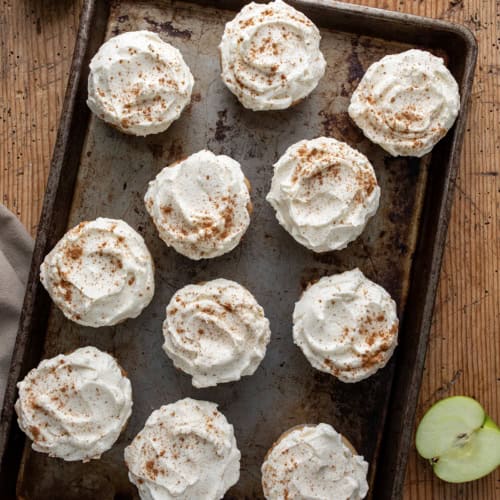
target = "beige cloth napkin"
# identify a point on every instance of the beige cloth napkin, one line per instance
(16, 247)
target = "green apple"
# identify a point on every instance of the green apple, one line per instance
(461, 442)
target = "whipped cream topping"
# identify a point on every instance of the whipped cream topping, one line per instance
(216, 332)
(74, 406)
(201, 205)
(270, 56)
(312, 462)
(324, 192)
(100, 273)
(186, 451)
(346, 325)
(139, 83)
(406, 102)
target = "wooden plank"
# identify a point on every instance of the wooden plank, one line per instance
(36, 46)
(36, 43)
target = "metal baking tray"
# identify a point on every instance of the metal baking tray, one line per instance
(97, 171)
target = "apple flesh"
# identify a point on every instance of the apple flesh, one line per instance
(461, 442)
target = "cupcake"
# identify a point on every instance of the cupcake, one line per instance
(201, 205)
(346, 325)
(270, 56)
(186, 451)
(216, 332)
(314, 461)
(406, 102)
(74, 406)
(100, 273)
(324, 192)
(138, 83)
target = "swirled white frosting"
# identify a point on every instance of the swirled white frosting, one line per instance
(324, 192)
(100, 273)
(139, 83)
(186, 451)
(201, 205)
(406, 102)
(346, 325)
(270, 56)
(74, 406)
(312, 462)
(216, 332)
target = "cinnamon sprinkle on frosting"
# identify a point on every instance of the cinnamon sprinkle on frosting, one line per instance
(216, 332)
(346, 325)
(324, 192)
(313, 461)
(406, 102)
(74, 406)
(186, 450)
(201, 205)
(270, 56)
(138, 83)
(100, 273)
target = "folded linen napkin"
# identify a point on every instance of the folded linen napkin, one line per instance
(16, 247)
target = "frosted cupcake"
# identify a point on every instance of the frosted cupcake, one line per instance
(100, 273)
(346, 325)
(201, 205)
(187, 450)
(138, 83)
(216, 332)
(324, 192)
(406, 102)
(314, 461)
(270, 56)
(74, 406)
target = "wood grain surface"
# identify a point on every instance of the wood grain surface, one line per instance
(36, 44)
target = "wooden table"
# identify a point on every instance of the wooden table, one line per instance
(36, 44)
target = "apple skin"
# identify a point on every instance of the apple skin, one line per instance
(460, 441)
(490, 424)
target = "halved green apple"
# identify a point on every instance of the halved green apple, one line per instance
(461, 442)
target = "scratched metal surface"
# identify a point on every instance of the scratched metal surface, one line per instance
(113, 174)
